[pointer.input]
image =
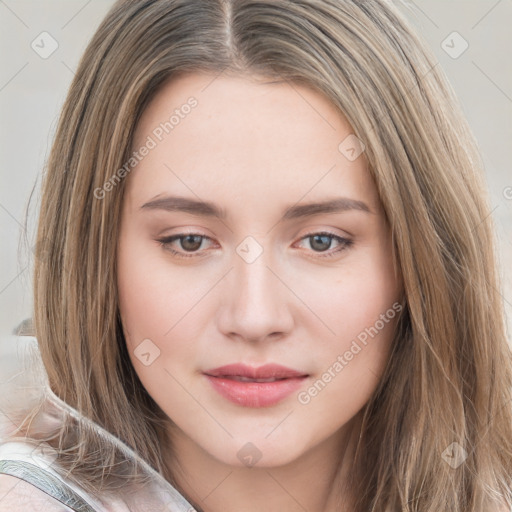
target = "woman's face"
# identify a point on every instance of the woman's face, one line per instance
(265, 273)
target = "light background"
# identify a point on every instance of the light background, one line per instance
(32, 90)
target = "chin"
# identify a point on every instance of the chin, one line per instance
(257, 451)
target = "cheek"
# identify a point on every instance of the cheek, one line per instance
(353, 298)
(152, 296)
(360, 307)
(362, 311)
(153, 303)
(162, 309)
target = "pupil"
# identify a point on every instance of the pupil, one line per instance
(323, 246)
(190, 238)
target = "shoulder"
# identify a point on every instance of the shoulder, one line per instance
(17, 495)
(29, 481)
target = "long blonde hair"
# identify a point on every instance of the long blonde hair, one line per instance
(449, 377)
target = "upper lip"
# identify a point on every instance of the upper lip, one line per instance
(267, 371)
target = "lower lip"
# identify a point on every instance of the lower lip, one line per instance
(255, 394)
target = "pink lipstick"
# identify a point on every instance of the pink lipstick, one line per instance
(255, 387)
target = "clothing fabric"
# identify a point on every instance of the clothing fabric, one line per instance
(28, 458)
(28, 463)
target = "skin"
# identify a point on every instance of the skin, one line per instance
(255, 148)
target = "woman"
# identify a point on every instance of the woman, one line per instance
(268, 262)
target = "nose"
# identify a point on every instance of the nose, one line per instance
(257, 302)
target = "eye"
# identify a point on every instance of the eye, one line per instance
(321, 242)
(191, 243)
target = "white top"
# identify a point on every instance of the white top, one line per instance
(33, 464)
(29, 476)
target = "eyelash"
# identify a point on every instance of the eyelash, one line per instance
(345, 243)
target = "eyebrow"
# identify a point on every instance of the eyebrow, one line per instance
(209, 209)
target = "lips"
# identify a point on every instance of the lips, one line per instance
(267, 372)
(255, 387)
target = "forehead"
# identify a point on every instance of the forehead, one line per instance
(211, 134)
(243, 106)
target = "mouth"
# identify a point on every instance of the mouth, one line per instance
(248, 386)
(240, 378)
